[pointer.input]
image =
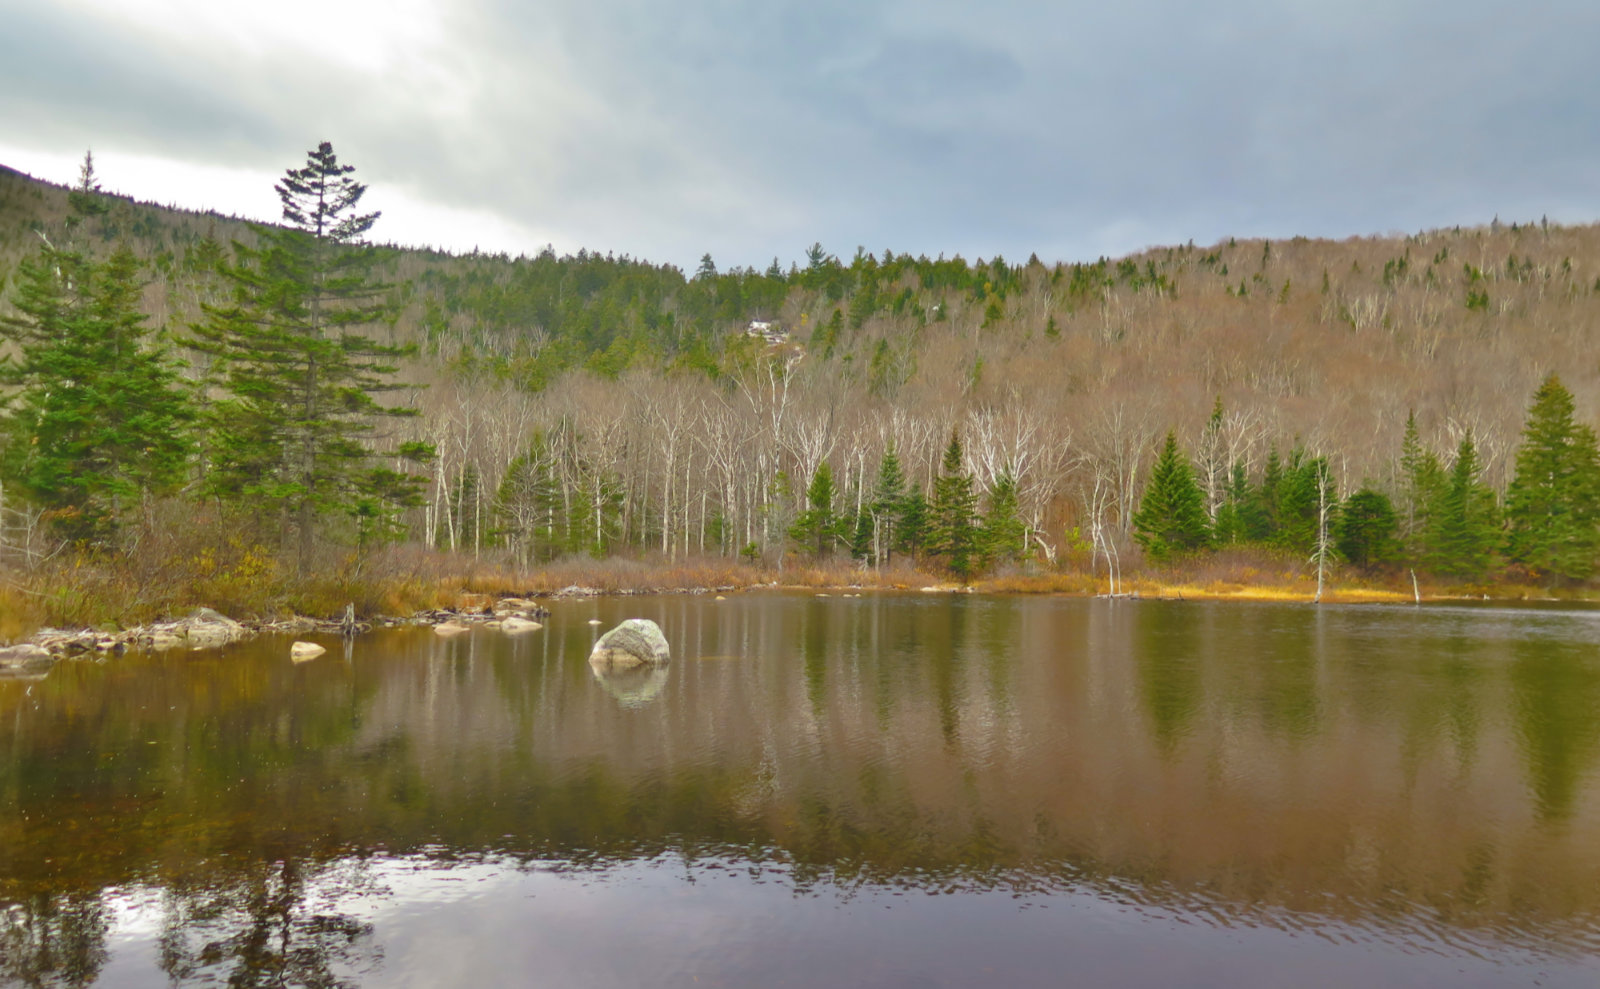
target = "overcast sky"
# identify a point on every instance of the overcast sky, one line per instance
(751, 129)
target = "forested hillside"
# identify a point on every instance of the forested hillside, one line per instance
(604, 404)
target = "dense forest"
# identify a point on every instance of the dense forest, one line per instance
(309, 392)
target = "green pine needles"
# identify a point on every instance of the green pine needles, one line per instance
(99, 418)
(294, 437)
(1551, 504)
(1172, 516)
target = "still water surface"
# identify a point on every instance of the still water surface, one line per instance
(890, 791)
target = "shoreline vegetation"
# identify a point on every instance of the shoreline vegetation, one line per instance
(89, 606)
(282, 421)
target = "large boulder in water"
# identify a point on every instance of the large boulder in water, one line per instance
(636, 642)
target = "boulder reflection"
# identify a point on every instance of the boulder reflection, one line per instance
(632, 687)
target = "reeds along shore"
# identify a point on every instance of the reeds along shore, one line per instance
(251, 584)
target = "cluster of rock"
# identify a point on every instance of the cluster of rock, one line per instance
(204, 629)
(512, 616)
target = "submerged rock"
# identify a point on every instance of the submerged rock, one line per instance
(206, 628)
(636, 642)
(24, 657)
(302, 651)
(516, 625)
(450, 628)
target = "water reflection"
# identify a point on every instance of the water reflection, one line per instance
(54, 939)
(1390, 775)
(633, 687)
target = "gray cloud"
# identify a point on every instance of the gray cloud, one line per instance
(753, 129)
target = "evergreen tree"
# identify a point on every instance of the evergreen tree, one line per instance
(1299, 495)
(817, 527)
(1234, 513)
(98, 417)
(1553, 503)
(888, 504)
(1172, 515)
(1463, 523)
(912, 536)
(295, 435)
(953, 530)
(1421, 484)
(1264, 514)
(861, 537)
(1365, 532)
(1004, 536)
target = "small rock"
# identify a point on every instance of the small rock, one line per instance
(516, 625)
(721, 598)
(302, 651)
(594, 621)
(450, 628)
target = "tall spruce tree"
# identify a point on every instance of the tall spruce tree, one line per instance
(295, 436)
(1172, 515)
(953, 531)
(888, 505)
(1463, 521)
(1422, 481)
(1005, 537)
(99, 417)
(817, 528)
(1553, 503)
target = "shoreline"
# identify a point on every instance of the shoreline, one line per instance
(206, 628)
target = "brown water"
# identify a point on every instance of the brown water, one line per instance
(819, 791)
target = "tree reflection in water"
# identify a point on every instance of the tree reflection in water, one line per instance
(270, 924)
(54, 940)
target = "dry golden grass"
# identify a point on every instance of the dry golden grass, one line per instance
(204, 563)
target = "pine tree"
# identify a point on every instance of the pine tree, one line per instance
(1463, 523)
(1422, 481)
(1233, 515)
(294, 437)
(861, 537)
(1264, 517)
(1172, 515)
(1553, 503)
(1365, 532)
(1298, 496)
(99, 417)
(1004, 536)
(817, 528)
(912, 536)
(888, 505)
(953, 531)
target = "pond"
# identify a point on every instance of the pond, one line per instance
(893, 790)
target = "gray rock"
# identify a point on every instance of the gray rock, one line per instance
(636, 642)
(206, 628)
(24, 657)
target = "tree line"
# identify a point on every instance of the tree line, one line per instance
(602, 405)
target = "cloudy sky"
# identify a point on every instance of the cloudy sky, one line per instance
(751, 129)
